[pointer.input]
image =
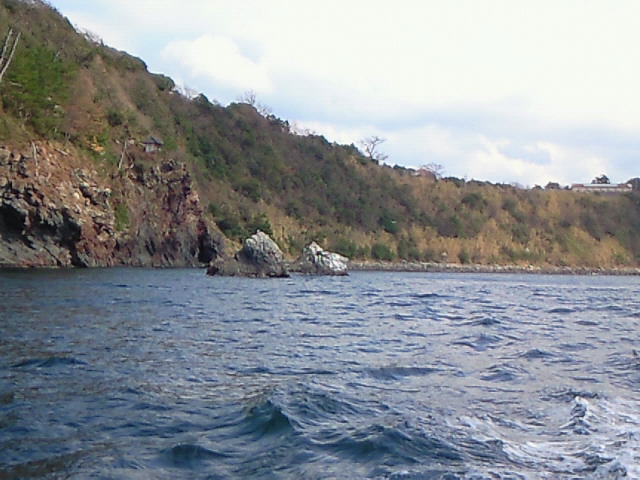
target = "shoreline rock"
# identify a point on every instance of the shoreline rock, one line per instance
(432, 267)
(316, 261)
(259, 257)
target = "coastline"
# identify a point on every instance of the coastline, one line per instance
(432, 267)
(380, 266)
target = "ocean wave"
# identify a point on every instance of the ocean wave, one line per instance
(536, 354)
(189, 455)
(599, 440)
(506, 372)
(480, 343)
(48, 362)
(396, 372)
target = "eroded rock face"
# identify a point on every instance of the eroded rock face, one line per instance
(315, 260)
(259, 257)
(57, 211)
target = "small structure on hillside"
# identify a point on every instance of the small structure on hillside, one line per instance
(602, 187)
(152, 145)
(602, 184)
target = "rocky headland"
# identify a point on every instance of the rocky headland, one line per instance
(57, 211)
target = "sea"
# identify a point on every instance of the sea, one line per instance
(170, 374)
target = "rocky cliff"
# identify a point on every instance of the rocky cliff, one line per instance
(56, 210)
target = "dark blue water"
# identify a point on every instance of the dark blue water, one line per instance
(136, 374)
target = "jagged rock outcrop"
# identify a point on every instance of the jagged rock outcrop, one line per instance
(169, 229)
(259, 257)
(57, 211)
(315, 260)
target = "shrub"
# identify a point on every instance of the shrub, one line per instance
(251, 189)
(450, 226)
(345, 247)
(520, 233)
(163, 82)
(259, 222)
(389, 223)
(231, 228)
(380, 251)
(115, 118)
(214, 209)
(475, 201)
(122, 218)
(430, 255)
(239, 227)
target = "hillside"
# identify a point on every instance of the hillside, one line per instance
(77, 187)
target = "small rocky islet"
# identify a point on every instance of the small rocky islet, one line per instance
(260, 257)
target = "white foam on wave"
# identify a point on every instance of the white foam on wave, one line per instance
(598, 439)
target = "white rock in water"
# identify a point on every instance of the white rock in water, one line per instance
(260, 256)
(316, 260)
(262, 250)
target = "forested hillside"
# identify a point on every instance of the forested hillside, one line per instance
(246, 169)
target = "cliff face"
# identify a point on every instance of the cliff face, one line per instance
(56, 211)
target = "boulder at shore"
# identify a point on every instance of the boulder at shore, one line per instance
(259, 257)
(317, 261)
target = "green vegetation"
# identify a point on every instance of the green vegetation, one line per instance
(122, 217)
(380, 251)
(36, 86)
(255, 173)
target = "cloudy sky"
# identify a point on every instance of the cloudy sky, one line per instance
(506, 91)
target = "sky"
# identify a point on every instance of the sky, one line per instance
(510, 91)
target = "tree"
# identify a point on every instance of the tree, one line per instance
(249, 97)
(601, 180)
(370, 146)
(5, 59)
(434, 169)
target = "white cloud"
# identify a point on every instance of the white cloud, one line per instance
(565, 166)
(473, 156)
(489, 89)
(220, 60)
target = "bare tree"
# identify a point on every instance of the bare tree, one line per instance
(89, 35)
(434, 169)
(264, 110)
(370, 146)
(249, 97)
(4, 59)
